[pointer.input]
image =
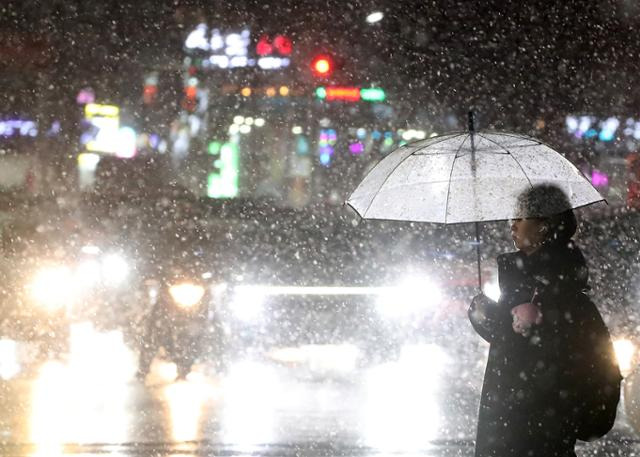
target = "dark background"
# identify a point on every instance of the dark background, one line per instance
(511, 62)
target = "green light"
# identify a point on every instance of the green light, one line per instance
(224, 184)
(321, 93)
(214, 147)
(373, 94)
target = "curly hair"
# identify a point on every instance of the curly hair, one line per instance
(550, 203)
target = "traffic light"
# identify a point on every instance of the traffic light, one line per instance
(322, 66)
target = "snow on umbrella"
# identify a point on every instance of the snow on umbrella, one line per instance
(465, 177)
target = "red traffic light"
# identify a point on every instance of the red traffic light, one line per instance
(322, 65)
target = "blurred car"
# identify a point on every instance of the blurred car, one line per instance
(314, 290)
(52, 275)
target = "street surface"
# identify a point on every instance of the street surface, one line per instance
(91, 404)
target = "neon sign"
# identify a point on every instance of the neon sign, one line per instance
(350, 94)
(104, 125)
(224, 182)
(599, 179)
(18, 127)
(280, 45)
(373, 94)
(605, 130)
(85, 96)
(326, 145)
(234, 50)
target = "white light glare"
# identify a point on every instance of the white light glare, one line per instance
(88, 273)
(625, 351)
(492, 290)
(296, 130)
(401, 411)
(187, 295)
(412, 134)
(323, 358)
(374, 17)
(115, 269)
(259, 122)
(90, 249)
(9, 366)
(253, 393)
(412, 297)
(248, 302)
(53, 287)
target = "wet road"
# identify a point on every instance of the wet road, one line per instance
(90, 404)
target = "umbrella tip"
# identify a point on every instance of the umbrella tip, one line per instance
(471, 121)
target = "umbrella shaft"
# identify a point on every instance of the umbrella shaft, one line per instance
(478, 256)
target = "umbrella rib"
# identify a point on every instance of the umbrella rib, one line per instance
(518, 136)
(401, 162)
(418, 153)
(510, 155)
(377, 192)
(444, 138)
(440, 140)
(522, 169)
(453, 163)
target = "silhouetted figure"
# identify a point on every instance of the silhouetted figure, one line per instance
(534, 397)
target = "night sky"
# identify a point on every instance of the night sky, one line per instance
(517, 61)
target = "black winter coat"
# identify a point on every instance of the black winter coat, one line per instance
(529, 386)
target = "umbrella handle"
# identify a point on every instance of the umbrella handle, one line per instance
(478, 255)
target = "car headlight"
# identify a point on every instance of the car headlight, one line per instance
(53, 287)
(115, 269)
(248, 302)
(413, 296)
(88, 273)
(625, 351)
(186, 295)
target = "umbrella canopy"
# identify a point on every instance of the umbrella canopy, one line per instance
(465, 177)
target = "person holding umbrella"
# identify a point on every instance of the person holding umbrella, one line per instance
(530, 386)
(545, 333)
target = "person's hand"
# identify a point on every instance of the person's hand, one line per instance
(478, 308)
(525, 316)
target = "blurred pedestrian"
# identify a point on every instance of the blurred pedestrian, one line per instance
(530, 397)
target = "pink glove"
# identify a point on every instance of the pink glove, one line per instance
(525, 316)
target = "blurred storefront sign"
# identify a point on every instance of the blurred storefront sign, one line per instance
(607, 147)
(218, 49)
(102, 124)
(605, 129)
(223, 181)
(11, 128)
(350, 94)
(104, 134)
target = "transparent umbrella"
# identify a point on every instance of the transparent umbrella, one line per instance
(465, 177)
